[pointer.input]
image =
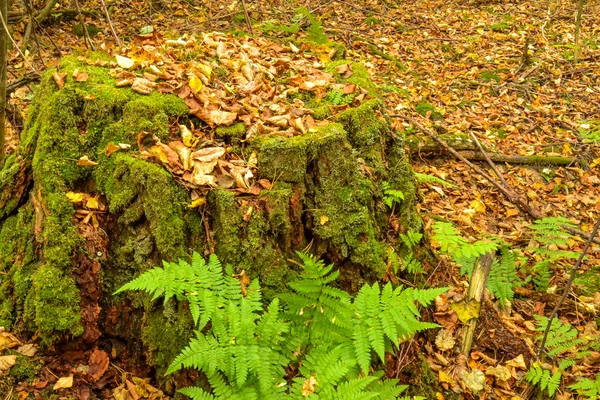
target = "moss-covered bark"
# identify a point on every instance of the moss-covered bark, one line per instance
(57, 273)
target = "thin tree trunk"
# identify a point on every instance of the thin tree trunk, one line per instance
(3, 62)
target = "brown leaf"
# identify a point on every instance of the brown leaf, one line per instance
(80, 76)
(8, 341)
(143, 86)
(59, 79)
(98, 363)
(244, 280)
(86, 162)
(308, 387)
(265, 184)
(208, 154)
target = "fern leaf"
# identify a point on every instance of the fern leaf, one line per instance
(196, 393)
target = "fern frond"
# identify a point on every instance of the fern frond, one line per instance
(503, 276)
(562, 337)
(588, 388)
(425, 178)
(543, 378)
(196, 393)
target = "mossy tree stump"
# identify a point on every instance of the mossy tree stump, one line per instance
(59, 270)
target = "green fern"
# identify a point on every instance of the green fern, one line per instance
(425, 178)
(562, 337)
(458, 248)
(544, 378)
(315, 30)
(503, 276)
(391, 196)
(410, 263)
(198, 283)
(324, 335)
(550, 234)
(338, 98)
(588, 388)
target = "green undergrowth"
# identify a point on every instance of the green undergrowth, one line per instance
(334, 345)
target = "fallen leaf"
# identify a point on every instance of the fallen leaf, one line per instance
(308, 387)
(466, 310)
(200, 201)
(98, 363)
(323, 219)
(445, 340)
(143, 86)
(75, 197)
(208, 154)
(64, 383)
(92, 203)
(80, 76)
(86, 162)
(28, 349)
(6, 362)
(474, 380)
(124, 62)
(8, 341)
(59, 79)
(195, 84)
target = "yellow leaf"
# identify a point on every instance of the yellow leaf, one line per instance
(323, 219)
(195, 84)
(466, 310)
(445, 378)
(75, 197)
(477, 205)
(511, 212)
(92, 203)
(198, 202)
(124, 62)
(187, 137)
(204, 70)
(158, 152)
(64, 383)
(8, 340)
(6, 362)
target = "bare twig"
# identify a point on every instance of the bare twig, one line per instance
(112, 28)
(15, 45)
(568, 285)
(489, 161)
(578, 30)
(86, 37)
(247, 17)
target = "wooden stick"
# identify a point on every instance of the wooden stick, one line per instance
(479, 279)
(112, 28)
(489, 161)
(247, 17)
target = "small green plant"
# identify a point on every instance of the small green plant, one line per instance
(548, 236)
(503, 276)
(590, 131)
(488, 76)
(391, 196)
(458, 248)
(562, 340)
(425, 178)
(588, 388)
(315, 31)
(371, 20)
(338, 98)
(410, 262)
(322, 334)
(425, 108)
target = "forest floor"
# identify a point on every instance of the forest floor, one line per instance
(504, 71)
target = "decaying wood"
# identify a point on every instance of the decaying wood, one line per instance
(479, 279)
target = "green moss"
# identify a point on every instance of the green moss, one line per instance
(363, 124)
(54, 303)
(281, 158)
(25, 369)
(233, 131)
(163, 348)
(360, 76)
(150, 190)
(251, 243)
